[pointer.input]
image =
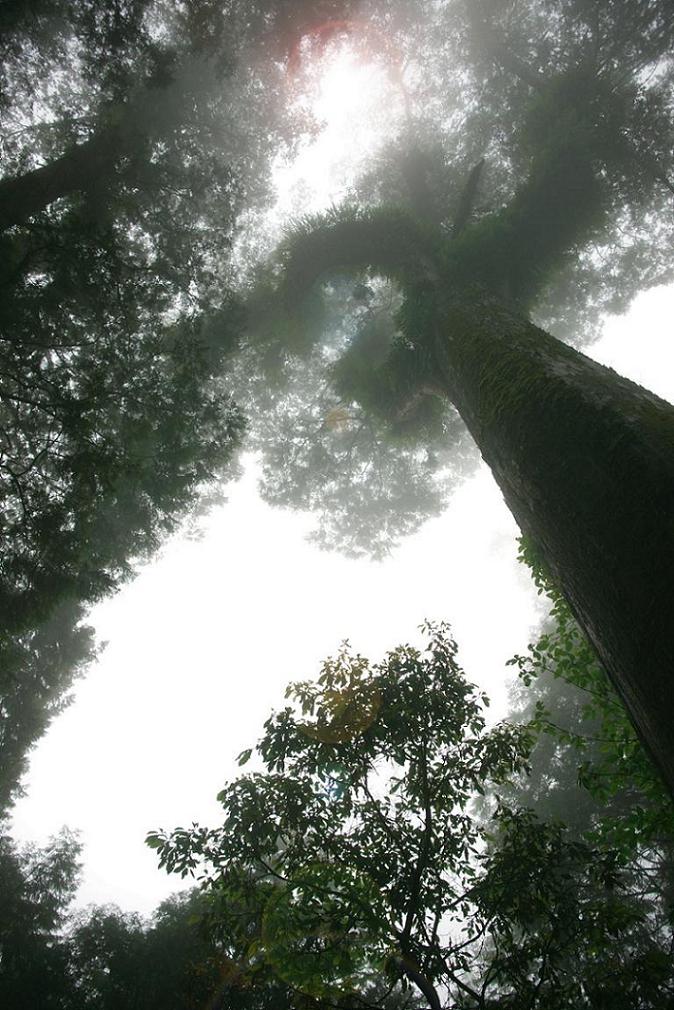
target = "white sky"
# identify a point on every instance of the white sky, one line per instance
(204, 641)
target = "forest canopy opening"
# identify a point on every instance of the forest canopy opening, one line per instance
(345, 82)
(367, 241)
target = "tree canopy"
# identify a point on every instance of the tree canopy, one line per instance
(135, 134)
(354, 857)
(533, 167)
(355, 869)
(562, 436)
(529, 190)
(37, 886)
(98, 958)
(556, 161)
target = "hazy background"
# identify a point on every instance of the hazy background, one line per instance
(203, 642)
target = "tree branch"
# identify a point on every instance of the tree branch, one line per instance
(422, 863)
(386, 240)
(420, 981)
(80, 168)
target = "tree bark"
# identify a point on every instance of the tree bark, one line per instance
(421, 982)
(80, 168)
(585, 461)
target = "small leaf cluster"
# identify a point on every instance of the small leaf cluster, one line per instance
(632, 808)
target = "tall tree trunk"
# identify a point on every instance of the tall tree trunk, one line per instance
(80, 168)
(585, 461)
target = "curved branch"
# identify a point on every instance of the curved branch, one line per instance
(420, 981)
(512, 251)
(387, 240)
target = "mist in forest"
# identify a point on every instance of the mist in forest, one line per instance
(324, 324)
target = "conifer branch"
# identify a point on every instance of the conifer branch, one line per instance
(387, 240)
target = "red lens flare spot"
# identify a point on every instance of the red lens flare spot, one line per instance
(366, 40)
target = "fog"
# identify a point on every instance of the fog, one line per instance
(203, 643)
(231, 441)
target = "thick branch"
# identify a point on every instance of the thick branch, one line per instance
(513, 251)
(420, 981)
(80, 168)
(151, 111)
(387, 241)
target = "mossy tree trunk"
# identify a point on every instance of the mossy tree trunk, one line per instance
(585, 461)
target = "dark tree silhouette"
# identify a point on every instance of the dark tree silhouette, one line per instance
(133, 137)
(351, 860)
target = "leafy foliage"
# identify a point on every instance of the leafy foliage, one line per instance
(355, 858)
(37, 886)
(567, 925)
(99, 957)
(589, 766)
(37, 669)
(339, 861)
(109, 432)
(326, 427)
(117, 959)
(352, 868)
(117, 309)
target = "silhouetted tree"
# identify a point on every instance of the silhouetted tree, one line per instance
(37, 886)
(134, 134)
(37, 670)
(351, 860)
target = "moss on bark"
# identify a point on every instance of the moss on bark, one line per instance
(585, 461)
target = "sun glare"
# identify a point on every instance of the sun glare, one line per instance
(358, 105)
(348, 88)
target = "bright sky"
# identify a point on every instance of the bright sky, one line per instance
(358, 107)
(204, 641)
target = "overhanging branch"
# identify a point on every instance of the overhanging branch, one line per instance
(386, 240)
